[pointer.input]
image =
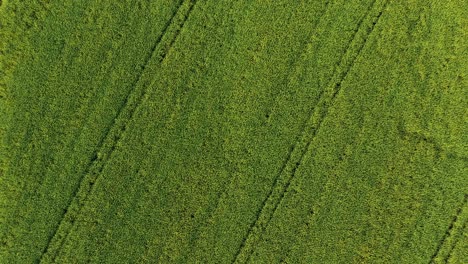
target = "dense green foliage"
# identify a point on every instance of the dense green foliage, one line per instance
(224, 131)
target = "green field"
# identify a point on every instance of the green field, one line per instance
(221, 131)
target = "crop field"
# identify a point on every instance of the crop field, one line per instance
(234, 131)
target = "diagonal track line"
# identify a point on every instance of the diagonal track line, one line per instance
(449, 254)
(322, 118)
(114, 133)
(450, 231)
(315, 120)
(222, 194)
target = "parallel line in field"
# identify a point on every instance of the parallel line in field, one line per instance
(321, 200)
(282, 168)
(450, 232)
(114, 133)
(27, 140)
(93, 95)
(315, 120)
(449, 254)
(261, 208)
(222, 194)
(333, 97)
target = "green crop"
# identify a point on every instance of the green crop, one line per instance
(224, 131)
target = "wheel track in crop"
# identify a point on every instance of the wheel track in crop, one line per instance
(446, 245)
(114, 133)
(230, 182)
(317, 115)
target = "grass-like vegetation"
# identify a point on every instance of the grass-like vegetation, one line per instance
(207, 131)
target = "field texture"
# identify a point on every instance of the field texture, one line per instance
(221, 131)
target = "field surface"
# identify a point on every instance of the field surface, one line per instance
(220, 131)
